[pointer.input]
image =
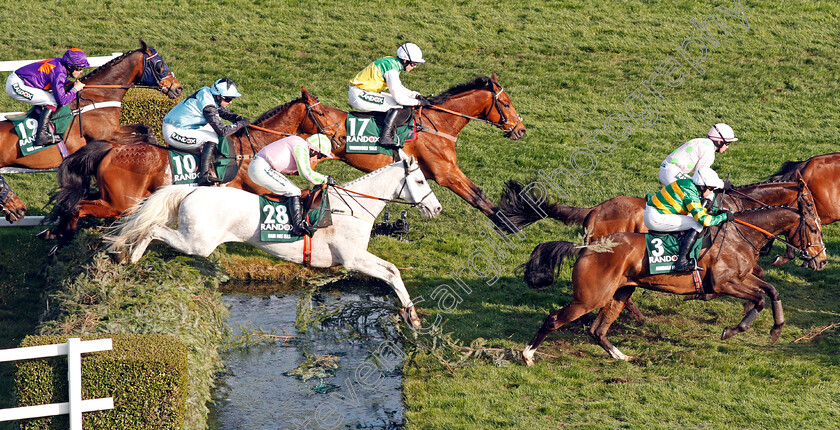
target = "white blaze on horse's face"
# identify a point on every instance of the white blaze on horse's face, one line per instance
(416, 190)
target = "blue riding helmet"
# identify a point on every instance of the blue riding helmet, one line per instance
(225, 87)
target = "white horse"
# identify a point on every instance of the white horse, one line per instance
(209, 216)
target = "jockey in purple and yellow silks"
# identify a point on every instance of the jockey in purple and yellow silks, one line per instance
(287, 156)
(44, 83)
(678, 206)
(366, 91)
(696, 154)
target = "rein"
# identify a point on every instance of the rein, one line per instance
(503, 120)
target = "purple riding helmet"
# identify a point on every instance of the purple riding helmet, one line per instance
(75, 58)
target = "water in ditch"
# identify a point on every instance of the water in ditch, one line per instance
(261, 387)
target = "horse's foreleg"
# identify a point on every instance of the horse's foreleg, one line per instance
(376, 267)
(635, 311)
(554, 321)
(451, 176)
(752, 289)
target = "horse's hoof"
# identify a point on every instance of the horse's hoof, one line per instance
(528, 361)
(53, 251)
(775, 332)
(46, 235)
(779, 260)
(727, 333)
(410, 318)
(117, 256)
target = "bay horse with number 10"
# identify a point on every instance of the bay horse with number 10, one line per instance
(126, 174)
(105, 85)
(606, 280)
(482, 99)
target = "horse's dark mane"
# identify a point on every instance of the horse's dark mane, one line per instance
(274, 111)
(767, 182)
(106, 65)
(788, 171)
(477, 83)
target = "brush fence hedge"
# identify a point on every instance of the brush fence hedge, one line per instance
(147, 375)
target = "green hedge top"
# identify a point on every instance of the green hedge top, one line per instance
(147, 375)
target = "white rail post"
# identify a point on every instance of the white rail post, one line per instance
(74, 382)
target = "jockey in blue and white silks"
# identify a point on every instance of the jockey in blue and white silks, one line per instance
(366, 91)
(196, 123)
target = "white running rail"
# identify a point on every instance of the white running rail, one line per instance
(73, 349)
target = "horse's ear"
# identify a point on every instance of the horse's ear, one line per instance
(303, 92)
(143, 46)
(800, 179)
(494, 78)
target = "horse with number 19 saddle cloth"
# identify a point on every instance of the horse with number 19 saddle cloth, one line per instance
(26, 127)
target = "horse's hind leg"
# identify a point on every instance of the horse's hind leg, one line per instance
(376, 267)
(554, 321)
(751, 289)
(606, 317)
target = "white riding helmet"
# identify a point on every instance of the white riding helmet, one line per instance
(321, 144)
(707, 177)
(722, 133)
(411, 53)
(225, 87)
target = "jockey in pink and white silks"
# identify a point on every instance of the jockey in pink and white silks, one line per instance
(696, 154)
(43, 83)
(366, 91)
(196, 123)
(287, 156)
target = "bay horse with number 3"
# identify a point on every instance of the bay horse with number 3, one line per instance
(606, 280)
(126, 174)
(105, 86)
(482, 99)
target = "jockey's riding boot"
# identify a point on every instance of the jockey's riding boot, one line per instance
(299, 225)
(683, 264)
(389, 130)
(205, 177)
(43, 137)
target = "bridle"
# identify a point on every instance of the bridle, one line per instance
(803, 224)
(313, 116)
(408, 171)
(6, 194)
(503, 122)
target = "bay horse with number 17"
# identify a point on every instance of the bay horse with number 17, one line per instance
(126, 174)
(482, 99)
(606, 280)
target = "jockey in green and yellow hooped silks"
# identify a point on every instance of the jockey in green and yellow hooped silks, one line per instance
(696, 154)
(196, 123)
(288, 156)
(43, 84)
(366, 90)
(678, 206)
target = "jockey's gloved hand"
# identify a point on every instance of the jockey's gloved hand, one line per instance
(242, 123)
(422, 101)
(727, 185)
(331, 181)
(728, 213)
(241, 118)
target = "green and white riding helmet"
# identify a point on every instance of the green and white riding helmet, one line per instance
(320, 144)
(224, 87)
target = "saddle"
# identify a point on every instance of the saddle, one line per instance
(308, 198)
(26, 124)
(274, 219)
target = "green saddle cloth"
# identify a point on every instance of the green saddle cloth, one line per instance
(185, 165)
(663, 249)
(274, 219)
(363, 135)
(26, 125)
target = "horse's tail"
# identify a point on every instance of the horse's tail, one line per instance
(161, 208)
(523, 209)
(74, 177)
(787, 173)
(540, 270)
